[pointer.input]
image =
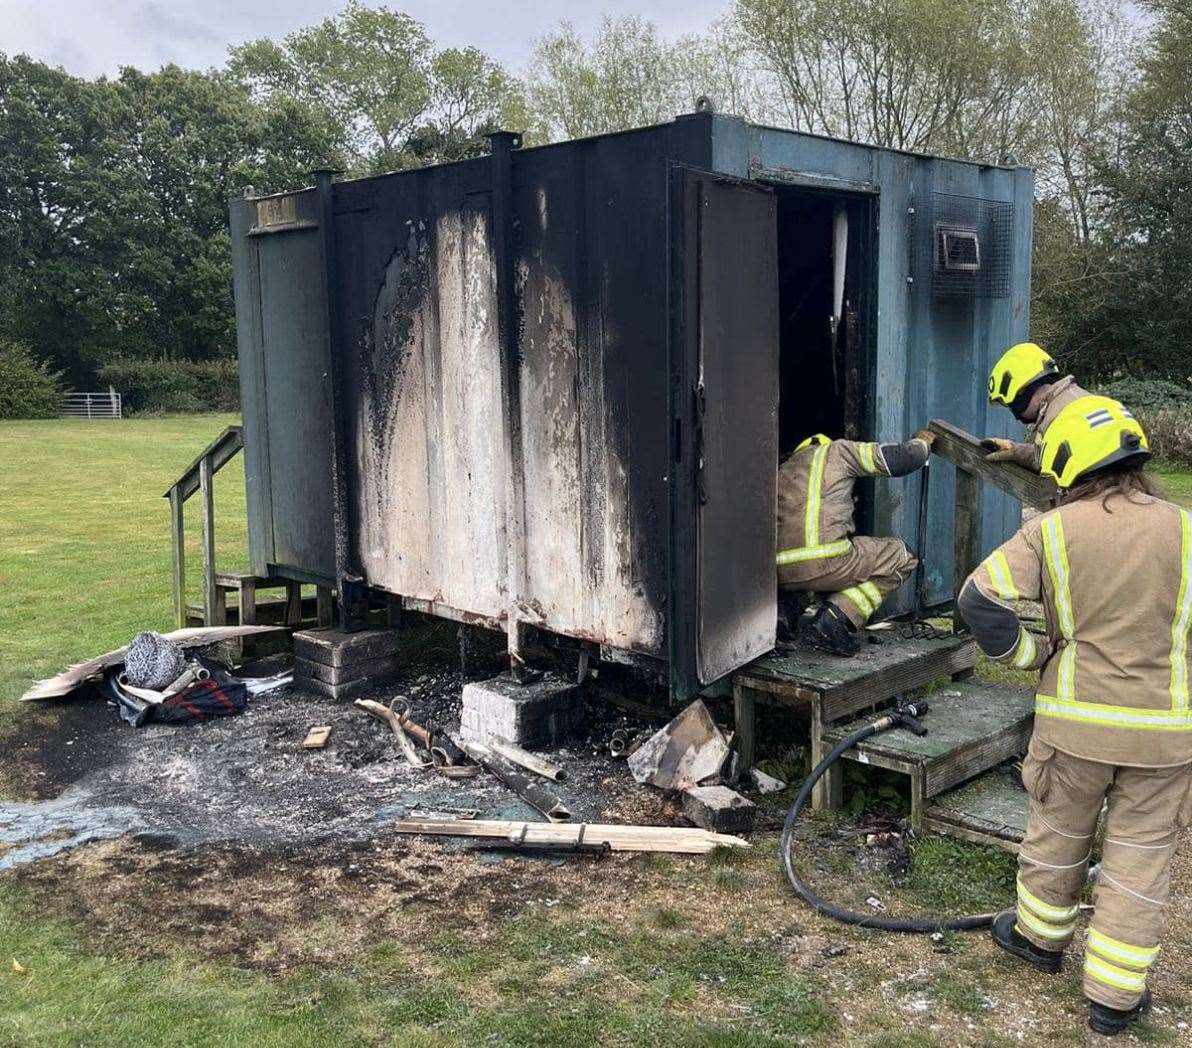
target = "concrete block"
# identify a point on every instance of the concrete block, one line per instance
(719, 809)
(353, 689)
(531, 715)
(382, 669)
(333, 647)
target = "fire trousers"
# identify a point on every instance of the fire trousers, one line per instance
(857, 581)
(1146, 808)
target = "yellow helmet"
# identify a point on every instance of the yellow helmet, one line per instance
(1088, 435)
(814, 441)
(1014, 376)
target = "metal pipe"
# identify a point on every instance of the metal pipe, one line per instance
(511, 751)
(550, 805)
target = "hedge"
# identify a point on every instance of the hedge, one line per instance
(175, 386)
(28, 388)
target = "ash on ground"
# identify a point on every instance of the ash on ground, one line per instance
(246, 779)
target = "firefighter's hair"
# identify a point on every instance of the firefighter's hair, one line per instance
(1126, 480)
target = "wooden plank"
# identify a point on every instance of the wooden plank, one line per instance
(968, 733)
(246, 601)
(323, 605)
(844, 685)
(828, 793)
(293, 603)
(615, 838)
(966, 534)
(744, 723)
(317, 738)
(991, 809)
(178, 558)
(207, 510)
(965, 451)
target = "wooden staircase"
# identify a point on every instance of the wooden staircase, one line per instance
(962, 776)
(230, 598)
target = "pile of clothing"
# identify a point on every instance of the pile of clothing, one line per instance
(159, 683)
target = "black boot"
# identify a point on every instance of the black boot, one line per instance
(1008, 938)
(790, 610)
(831, 631)
(1111, 1021)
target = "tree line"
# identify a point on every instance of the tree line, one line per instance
(113, 191)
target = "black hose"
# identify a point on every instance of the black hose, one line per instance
(864, 920)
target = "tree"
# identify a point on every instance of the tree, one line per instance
(1138, 319)
(627, 77)
(372, 78)
(113, 208)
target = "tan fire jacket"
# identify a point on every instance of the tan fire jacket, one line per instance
(1059, 395)
(1115, 580)
(815, 493)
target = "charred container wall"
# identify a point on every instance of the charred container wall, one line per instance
(415, 311)
(375, 380)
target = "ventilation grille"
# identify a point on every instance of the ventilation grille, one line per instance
(961, 246)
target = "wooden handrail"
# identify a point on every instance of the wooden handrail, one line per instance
(972, 467)
(198, 476)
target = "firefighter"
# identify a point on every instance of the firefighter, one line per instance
(1028, 381)
(1113, 568)
(817, 550)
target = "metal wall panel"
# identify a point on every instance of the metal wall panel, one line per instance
(932, 353)
(418, 298)
(281, 331)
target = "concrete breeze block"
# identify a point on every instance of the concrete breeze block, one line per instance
(333, 647)
(382, 669)
(539, 714)
(719, 809)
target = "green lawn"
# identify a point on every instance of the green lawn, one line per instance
(85, 538)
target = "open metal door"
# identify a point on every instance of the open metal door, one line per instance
(724, 401)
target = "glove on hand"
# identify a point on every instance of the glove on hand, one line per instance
(1000, 449)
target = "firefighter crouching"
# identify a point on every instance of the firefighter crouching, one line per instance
(1113, 568)
(817, 550)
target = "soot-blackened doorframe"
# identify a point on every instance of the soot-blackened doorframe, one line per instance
(862, 259)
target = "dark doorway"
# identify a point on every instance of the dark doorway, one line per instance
(824, 327)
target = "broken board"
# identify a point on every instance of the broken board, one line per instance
(583, 836)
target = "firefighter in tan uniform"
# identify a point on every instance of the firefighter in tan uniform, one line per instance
(817, 550)
(1113, 568)
(1028, 381)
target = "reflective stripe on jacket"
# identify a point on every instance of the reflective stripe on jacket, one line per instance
(815, 494)
(1115, 580)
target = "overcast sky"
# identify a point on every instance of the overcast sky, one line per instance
(88, 37)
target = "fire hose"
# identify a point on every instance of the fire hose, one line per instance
(901, 717)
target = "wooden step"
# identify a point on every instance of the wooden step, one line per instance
(971, 727)
(841, 686)
(991, 809)
(831, 688)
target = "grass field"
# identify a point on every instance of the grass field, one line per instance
(625, 952)
(85, 539)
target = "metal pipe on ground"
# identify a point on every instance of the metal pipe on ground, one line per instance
(550, 806)
(511, 751)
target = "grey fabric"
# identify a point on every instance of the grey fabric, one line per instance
(153, 661)
(902, 459)
(995, 627)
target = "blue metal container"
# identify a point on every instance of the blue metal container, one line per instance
(548, 389)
